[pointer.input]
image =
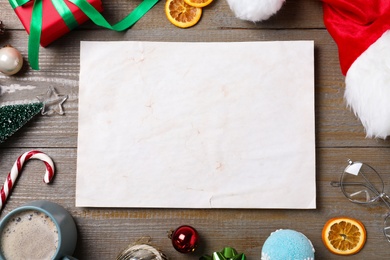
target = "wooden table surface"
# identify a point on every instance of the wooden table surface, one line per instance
(103, 233)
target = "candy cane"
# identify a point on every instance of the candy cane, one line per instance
(16, 168)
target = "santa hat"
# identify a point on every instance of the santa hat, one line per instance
(255, 10)
(361, 30)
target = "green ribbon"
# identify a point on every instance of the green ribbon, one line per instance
(228, 253)
(70, 21)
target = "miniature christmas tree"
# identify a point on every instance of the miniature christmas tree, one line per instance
(13, 117)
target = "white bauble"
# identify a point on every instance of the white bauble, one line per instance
(11, 61)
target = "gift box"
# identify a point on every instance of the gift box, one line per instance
(53, 25)
(47, 20)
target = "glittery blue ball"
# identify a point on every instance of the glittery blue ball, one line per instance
(286, 244)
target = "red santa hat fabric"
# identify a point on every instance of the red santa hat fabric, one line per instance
(361, 30)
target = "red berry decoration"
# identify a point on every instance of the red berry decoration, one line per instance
(185, 239)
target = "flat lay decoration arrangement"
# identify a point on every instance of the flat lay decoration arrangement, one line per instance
(224, 129)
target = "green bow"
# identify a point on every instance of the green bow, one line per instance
(228, 253)
(70, 21)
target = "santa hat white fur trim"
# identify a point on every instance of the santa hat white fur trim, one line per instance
(367, 89)
(255, 10)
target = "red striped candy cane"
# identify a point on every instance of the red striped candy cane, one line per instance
(17, 167)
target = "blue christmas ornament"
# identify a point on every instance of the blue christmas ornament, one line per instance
(286, 244)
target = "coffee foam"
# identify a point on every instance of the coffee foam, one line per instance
(31, 235)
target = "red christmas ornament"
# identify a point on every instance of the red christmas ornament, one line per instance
(185, 239)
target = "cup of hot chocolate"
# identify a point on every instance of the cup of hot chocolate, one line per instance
(38, 230)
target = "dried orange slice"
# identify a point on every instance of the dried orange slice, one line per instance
(198, 3)
(344, 235)
(181, 14)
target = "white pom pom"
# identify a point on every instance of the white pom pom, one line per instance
(367, 89)
(255, 10)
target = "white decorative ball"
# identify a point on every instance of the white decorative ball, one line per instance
(11, 61)
(255, 10)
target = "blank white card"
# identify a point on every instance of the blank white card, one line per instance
(196, 125)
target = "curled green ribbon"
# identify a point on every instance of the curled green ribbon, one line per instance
(70, 21)
(228, 253)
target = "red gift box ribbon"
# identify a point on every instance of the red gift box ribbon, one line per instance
(70, 21)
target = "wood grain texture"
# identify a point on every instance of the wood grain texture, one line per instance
(103, 233)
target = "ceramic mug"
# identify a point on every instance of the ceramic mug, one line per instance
(38, 230)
